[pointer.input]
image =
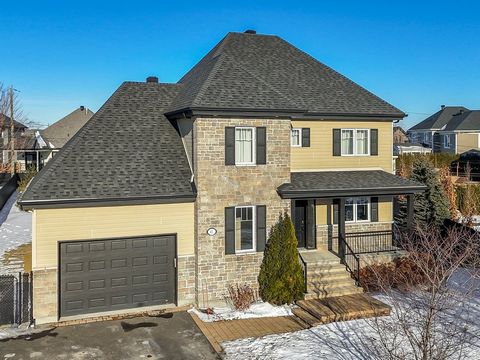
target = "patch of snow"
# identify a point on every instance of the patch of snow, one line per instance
(15, 227)
(260, 309)
(346, 340)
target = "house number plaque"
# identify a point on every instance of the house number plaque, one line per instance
(211, 231)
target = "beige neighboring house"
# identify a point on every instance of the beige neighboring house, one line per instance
(169, 192)
(453, 129)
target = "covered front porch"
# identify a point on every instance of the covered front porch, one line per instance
(348, 214)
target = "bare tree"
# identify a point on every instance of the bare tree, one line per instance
(10, 113)
(433, 316)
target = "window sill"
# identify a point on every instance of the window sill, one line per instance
(245, 165)
(245, 252)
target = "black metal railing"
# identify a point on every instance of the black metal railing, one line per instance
(372, 242)
(303, 264)
(349, 259)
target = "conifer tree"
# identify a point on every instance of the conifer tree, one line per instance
(281, 277)
(431, 207)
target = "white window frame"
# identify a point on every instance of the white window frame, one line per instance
(254, 229)
(254, 146)
(447, 144)
(369, 203)
(299, 137)
(355, 142)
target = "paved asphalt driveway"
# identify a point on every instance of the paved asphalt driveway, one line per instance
(168, 336)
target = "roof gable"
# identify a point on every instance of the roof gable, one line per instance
(61, 131)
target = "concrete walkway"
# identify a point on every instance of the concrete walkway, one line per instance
(167, 336)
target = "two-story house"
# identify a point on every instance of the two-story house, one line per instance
(453, 129)
(168, 193)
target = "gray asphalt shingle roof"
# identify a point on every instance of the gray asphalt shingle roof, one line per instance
(467, 120)
(346, 183)
(61, 131)
(264, 72)
(438, 120)
(128, 150)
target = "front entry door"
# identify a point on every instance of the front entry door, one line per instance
(304, 222)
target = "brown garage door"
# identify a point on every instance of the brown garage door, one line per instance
(114, 274)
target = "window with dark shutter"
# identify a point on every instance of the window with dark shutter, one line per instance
(229, 230)
(261, 145)
(305, 137)
(374, 142)
(229, 146)
(337, 142)
(374, 209)
(261, 227)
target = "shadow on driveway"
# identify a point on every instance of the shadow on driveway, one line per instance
(168, 336)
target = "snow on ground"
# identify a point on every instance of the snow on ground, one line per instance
(349, 340)
(15, 227)
(260, 309)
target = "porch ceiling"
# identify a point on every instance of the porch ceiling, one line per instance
(327, 184)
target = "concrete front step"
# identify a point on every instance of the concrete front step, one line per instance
(329, 283)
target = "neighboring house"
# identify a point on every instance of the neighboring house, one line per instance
(453, 129)
(36, 147)
(409, 148)
(399, 135)
(19, 135)
(167, 195)
(461, 134)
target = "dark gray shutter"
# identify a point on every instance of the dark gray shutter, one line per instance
(305, 137)
(261, 145)
(374, 209)
(229, 146)
(373, 141)
(230, 230)
(335, 210)
(261, 227)
(337, 142)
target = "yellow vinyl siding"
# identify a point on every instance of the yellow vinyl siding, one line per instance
(385, 210)
(466, 142)
(320, 153)
(53, 225)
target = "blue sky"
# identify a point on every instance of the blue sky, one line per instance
(416, 55)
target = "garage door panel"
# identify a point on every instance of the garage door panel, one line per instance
(103, 275)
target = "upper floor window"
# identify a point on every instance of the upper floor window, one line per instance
(244, 146)
(355, 142)
(296, 139)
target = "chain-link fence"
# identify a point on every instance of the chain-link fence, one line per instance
(15, 298)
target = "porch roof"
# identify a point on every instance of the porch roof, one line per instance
(327, 184)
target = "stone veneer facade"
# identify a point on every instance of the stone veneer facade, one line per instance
(220, 186)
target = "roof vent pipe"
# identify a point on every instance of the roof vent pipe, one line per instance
(82, 107)
(442, 107)
(250, 32)
(152, 79)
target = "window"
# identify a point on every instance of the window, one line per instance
(355, 142)
(446, 141)
(244, 228)
(296, 139)
(244, 146)
(357, 209)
